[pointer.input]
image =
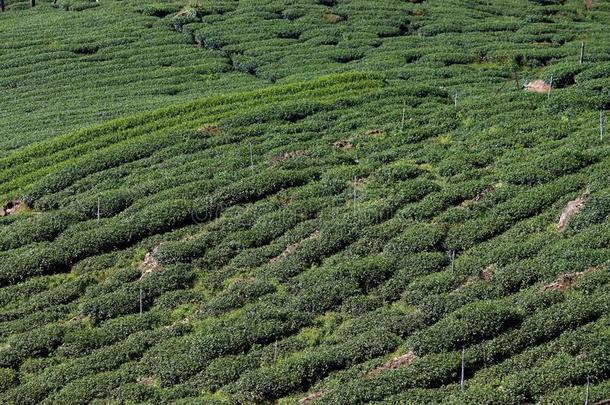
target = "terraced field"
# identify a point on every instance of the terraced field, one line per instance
(333, 202)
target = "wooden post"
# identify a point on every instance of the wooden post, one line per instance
(275, 351)
(404, 110)
(550, 87)
(587, 392)
(1, 6)
(251, 160)
(462, 374)
(582, 51)
(32, 3)
(355, 195)
(452, 260)
(601, 125)
(455, 98)
(141, 304)
(98, 209)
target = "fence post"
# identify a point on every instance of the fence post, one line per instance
(582, 51)
(404, 110)
(462, 374)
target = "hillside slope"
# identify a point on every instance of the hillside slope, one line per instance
(329, 202)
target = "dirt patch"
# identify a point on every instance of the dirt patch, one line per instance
(12, 207)
(375, 133)
(488, 273)
(477, 198)
(78, 318)
(333, 18)
(290, 249)
(211, 129)
(589, 7)
(537, 86)
(311, 397)
(563, 282)
(344, 144)
(357, 183)
(603, 402)
(150, 264)
(572, 208)
(287, 156)
(395, 363)
(148, 381)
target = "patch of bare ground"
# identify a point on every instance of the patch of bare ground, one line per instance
(564, 281)
(148, 381)
(358, 183)
(211, 130)
(477, 198)
(602, 402)
(333, 18)
(292, 247)
(287, 156)
(150, 264)
(375, 133)
(343, 144)
(12, 207)
(311, 397)
(394, 364)
(537, 86)
(572, 208)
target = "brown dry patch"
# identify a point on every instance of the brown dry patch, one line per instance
(480, 196)
(78, 318)
(148, 381)
(311, 397)
(603, 402)
(488, 273)
(333, 18)
(343, 144)
(287, 156)
(588, 4)
(358, 183)
(563, 282)
(375, 133)
(537, 86)
(395, 363)
(12, 207)
(572, 208)
(150, 264)
(211, 129)
(292, 247)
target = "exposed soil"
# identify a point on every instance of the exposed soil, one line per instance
(589, 7)
(292, 247)
(374, 133)
(344, 144)
(537, 86)
(288, 155)
(150, 264)
(572, 208)
(476, 198)
(148, 381)
(488, 273)
(563, 282)
(395, 363)
(603, 402)
(12, 207)
(333, 18)
(357, 183)
(311, 397)
(211, 129)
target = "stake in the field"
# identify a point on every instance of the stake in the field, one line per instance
(275, 351)
(404, 111)
(32, 3)
(601, 126)
(587, 391)
(452, 260)
(582, 51)
(462, 374)
(251, 160)
(455, 98)
(355, 196)
(141, 304)
(548, 95)
(1, 6)
(98, 209)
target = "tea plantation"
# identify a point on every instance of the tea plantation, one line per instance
(305, 202)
